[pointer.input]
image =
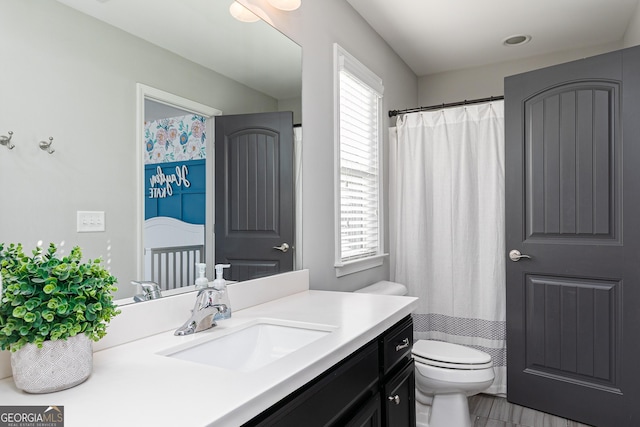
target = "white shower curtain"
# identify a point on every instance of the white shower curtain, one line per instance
(446, 198)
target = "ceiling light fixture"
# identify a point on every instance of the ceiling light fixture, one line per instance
(516, 40)
(286, 5)
(241, 13)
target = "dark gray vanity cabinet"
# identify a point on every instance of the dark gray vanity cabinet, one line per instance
(397, 375)
(369, 415)
(373, 387)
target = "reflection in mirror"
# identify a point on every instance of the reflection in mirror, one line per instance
(176, 141)
(254, 201)
(174, 168)
(76, 81)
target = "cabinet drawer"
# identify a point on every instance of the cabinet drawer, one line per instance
(396, 345)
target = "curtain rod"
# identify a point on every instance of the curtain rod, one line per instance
(393, 113)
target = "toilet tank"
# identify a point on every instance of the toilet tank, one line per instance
(384, 288)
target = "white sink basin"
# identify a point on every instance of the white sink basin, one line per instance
(253, 346)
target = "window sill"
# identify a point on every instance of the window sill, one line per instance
(359, 265)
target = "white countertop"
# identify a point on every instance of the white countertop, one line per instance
(132, 385)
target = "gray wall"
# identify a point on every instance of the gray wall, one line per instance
(485, 81)
(57, 83)
(71, 77)
(632, 34)
(481, 82)
(292, 104)
(316, 26)
(74, 78)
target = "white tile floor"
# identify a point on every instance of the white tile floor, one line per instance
(492, 411)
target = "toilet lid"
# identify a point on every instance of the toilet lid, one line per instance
(440, 353)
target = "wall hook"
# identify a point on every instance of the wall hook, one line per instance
(6, 140)
(46, 146)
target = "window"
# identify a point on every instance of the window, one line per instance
(358, 99)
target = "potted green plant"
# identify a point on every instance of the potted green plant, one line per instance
(51, 308)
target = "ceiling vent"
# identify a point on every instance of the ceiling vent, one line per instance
(516, 40)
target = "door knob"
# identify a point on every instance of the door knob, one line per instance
(283, 247)
(395, 399)
(515, 255)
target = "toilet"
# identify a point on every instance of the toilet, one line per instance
(446, 374)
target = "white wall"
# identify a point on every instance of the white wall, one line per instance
(71, 77)
(316, 26)
(486, 81)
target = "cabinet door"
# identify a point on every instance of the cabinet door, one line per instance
(370, 415)
(399, 399)
(328, 399)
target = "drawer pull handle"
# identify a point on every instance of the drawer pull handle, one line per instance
(405, 344)
(395, 399)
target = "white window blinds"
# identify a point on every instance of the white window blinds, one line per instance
(359, 118)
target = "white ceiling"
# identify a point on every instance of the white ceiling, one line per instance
(434, 36)
(204, 32)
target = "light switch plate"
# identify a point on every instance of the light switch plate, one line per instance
(90, 221)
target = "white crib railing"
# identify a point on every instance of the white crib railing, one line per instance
(175, 267)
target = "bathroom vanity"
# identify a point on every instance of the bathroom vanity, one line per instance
(352, 368)
(373, 386)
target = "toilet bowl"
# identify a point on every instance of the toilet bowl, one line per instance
(446, 374)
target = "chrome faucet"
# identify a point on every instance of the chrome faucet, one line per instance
(150, 290)
(203, 312)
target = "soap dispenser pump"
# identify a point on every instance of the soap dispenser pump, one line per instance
(221, 286)
(202, 281)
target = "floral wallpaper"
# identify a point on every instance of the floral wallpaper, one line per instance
(175, 139)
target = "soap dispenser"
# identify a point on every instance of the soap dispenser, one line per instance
(202, 281)
(223, 296)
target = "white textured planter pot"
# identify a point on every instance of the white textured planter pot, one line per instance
(56, 366)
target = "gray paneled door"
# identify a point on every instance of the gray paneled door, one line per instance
(254, 194)
(573, 187)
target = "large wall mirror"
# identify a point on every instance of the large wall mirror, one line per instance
(83, 72)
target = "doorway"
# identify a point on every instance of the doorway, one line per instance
(255, 194)
(174, 226)
(572, 229)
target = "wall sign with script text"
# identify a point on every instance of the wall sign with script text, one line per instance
(176, 190)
